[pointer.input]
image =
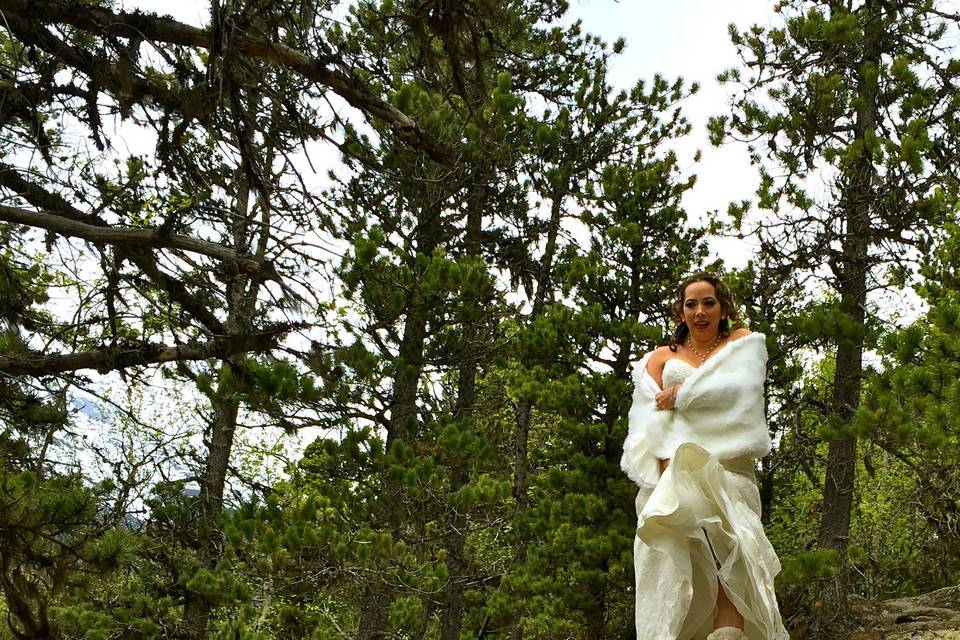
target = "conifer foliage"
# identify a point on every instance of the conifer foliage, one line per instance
(851, 111)
(318, 320)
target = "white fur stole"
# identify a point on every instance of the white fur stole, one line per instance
(720, 407)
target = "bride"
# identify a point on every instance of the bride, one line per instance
(704, 568)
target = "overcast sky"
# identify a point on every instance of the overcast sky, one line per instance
(679, 38)
(687, 39)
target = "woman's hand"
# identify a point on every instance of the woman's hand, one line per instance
(667, 399)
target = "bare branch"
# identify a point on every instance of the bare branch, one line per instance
(160, 29)
(146, 260)
(104, 361)
(130, 236)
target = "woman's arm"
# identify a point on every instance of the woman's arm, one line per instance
(655, 369)
(667, 398)
(655, 364)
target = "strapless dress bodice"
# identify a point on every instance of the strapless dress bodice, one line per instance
(675, 371)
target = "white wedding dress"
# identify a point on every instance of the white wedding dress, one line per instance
(699, 523)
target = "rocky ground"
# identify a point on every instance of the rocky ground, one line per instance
(931, 616)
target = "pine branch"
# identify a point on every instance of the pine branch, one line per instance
(346, 84)
(130, 237)
(107, 360)
(176, 289)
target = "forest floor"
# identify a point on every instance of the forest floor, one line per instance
(930, 616)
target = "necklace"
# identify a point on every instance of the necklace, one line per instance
(703, 356)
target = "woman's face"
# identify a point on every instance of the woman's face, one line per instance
(702, 310)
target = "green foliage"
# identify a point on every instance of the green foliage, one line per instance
(849, 118)
(465, 372)
(56, 544)
(911, 408)
(807, 567)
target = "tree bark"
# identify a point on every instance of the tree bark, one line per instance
(143, 258)
(857, 201)
(838, 490)
(241, 295)
(105, 360)
(524, 407)
(767, 488)
(542, 294)
(402, 422)
(197, 610)
(128, 236)
(457, 565)
(453, 605)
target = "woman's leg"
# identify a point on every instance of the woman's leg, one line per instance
(727, 614)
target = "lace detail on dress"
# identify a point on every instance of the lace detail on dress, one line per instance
(675, 371)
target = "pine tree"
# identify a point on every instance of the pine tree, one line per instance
(421, 307)
(221, 110)
(608, 298)
(912, 407)
(863, 94)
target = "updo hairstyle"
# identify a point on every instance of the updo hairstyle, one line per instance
(724, 297)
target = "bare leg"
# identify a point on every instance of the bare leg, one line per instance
(727, 614)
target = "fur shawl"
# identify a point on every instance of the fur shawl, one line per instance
(720, 407)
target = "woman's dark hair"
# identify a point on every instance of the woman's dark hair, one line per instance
(724, 297)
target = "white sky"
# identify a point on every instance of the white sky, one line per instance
(687, 39)
(679, 38)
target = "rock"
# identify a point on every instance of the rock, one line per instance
(925, 635)
(930, 616)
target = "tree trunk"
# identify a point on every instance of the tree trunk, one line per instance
(857, 201)
(596, 614)
(400, 428)
(196, 610)
(242, 294)
(457, 564)
(373, 617)
(524, 407)
(541, 295)
(766, 487)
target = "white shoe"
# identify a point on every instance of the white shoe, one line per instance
(727, 633)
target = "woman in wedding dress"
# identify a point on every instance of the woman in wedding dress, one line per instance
(704, 567)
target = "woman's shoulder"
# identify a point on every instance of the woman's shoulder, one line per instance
(661, 353)
(655, 360)
(748, 341)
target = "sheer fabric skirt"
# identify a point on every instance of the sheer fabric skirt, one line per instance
(701, 524)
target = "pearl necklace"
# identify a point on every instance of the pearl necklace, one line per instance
(703, 356)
